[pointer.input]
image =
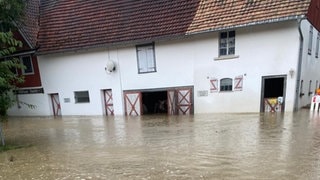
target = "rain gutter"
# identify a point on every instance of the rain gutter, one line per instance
(32, 51)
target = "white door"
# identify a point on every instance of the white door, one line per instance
(171, 102)
(108, 102)
(184, 101)
(133, 103)
(56, 107)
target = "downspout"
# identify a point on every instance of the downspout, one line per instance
(297, 96)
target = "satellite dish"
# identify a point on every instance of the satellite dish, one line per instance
(110, 66)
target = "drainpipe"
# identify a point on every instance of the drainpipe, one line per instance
(296, 100)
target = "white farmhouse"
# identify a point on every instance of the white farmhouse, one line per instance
(176, 57)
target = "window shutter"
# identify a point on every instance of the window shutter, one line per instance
(150, 58)
(214, 85)
(238, 83)
(142, 57)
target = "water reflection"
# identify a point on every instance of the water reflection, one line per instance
(208, 146)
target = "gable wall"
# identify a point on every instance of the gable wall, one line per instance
(263, 51)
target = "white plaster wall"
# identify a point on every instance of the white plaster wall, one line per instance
(174, 62)
(263, 50)
(67, 73)
(310, 65)
(39, 101)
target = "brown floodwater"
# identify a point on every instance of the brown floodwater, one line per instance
(206, 146)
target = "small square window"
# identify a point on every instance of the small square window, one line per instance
(81, 96)
(27, 62)
(226, 84)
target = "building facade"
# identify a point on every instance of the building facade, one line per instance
(240, 66)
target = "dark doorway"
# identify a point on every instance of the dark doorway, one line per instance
(154, 102)
(273, 87)
(273, 93)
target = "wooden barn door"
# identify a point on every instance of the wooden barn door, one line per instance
(172, 109)
(108, 102)
(56, 107)
(133, 103)
(180, 101)
(184, 101)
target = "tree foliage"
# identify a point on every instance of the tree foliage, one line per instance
(10, 12)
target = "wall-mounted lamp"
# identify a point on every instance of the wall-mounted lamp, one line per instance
(291, 73)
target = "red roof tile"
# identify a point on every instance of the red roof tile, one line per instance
(220, 14)
(29, 25)
(77, 24)
(68, 25)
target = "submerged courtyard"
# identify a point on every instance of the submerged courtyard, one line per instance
(206, 146)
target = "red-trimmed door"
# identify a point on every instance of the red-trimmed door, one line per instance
(184, 101)
(172, 108)
(56, 107)
(180, 101)
(108, 102)
(133, 103)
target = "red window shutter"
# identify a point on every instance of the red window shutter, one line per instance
(214, 85)
(238, 83)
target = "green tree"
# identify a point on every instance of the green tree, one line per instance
(11, 12)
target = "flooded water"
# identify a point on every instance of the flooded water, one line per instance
(209, 146)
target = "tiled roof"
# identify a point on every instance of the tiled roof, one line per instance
(69, 25)
(29, 25)
(78, 24)
(220, 14)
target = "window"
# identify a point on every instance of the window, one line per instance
(227, 43)
(81, 96)
(310, 39)
(226, 84)
(146, 58)
(27, 62)
(310, 84)
(310, 90)
(317, 45)
(301, 88)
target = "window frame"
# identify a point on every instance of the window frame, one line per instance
(151, 66)
(228, 44)
(31, 64)
(317, 45)
(226, 87)
(310, 40)
(76, 97)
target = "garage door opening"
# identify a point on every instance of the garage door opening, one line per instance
(154, 102)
